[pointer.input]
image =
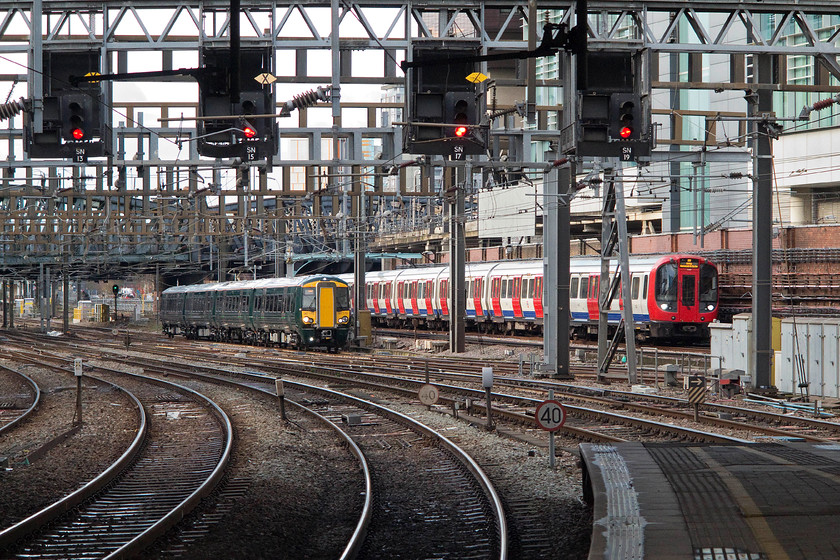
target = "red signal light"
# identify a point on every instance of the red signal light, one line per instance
(461, 131)
(249, 131)
(78, 133)
(625, 132)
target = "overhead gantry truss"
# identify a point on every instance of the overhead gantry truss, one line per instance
(149, 203)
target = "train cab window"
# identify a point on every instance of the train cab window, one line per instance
(342, 298)
(666, 283)
(308, 299)
(708, 287)
(573, 288)
(584, 287)
(634, 288)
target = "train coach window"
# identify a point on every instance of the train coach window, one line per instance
(584, 287)
(573, 288)
(634, 288)
(308, 299)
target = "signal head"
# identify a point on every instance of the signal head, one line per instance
(248, 130)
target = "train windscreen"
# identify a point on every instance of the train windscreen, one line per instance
(666, 284)
(342, 298)
(308, 299)
(708, 287)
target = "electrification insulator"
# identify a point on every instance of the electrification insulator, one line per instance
(12, 108)
(307, 99)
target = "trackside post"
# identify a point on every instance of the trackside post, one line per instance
(281, 395)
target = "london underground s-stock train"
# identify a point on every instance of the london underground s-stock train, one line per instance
(674, 296)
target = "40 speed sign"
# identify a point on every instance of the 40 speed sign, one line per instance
(550, 415)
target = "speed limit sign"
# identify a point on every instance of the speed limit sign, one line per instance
(428, 394)
(550, 415)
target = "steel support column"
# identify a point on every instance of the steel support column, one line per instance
(454, 187)
(762, 263)
(556, 268)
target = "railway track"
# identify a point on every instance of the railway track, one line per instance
(636, 417)
(422, 482)
(583, 423)
(174, 461)
(19, 396)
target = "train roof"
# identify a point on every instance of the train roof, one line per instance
(261, 283)
(577, 265)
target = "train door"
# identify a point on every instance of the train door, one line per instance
(326, 305)
(688, 309)
(495, 296)
(469, 303)
(429, 294)
(444, 298)
(388, 308)
(413, 296)
(400, 300)
(375, 291)
(517, 297)
(592, 296)
(538, 295)
(479, 285)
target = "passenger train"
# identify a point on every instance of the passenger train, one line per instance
(674, 296)
(302, 312)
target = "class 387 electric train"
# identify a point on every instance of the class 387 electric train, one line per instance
(301, 312)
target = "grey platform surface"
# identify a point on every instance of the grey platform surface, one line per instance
(675, 501)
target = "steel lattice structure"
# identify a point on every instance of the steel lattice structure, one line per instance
(154, 201)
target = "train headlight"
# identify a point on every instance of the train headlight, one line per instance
(710, 307)
(343, 320)
(308, 320)
(663, 306)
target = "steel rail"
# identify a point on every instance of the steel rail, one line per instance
(19, 530)
(31, 408)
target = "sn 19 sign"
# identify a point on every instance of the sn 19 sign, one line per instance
(550, 415)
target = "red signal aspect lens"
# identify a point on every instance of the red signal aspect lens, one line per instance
(625, 132)
(249, 132)
(460, 131)
(78, 133)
